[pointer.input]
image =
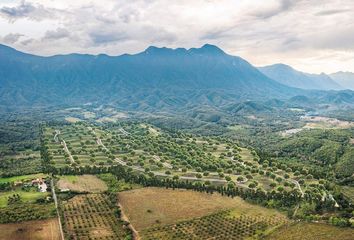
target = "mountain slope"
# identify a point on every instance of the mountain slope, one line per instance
(345, 79)
(158, 78)
(287, 75)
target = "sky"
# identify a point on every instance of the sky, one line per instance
(311, 35)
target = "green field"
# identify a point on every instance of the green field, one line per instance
(30, 197)
(22, 178)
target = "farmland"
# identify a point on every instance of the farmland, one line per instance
(222, 225)
(31, 230)
(147, 149)
(92, 216)
(309, 231)
(83, 183)
(152, 214)
(173, 184)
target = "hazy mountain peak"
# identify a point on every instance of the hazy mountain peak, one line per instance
(207, 49)
(157, 50)
(289, 76)
(345, 79)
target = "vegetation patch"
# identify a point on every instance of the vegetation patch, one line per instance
(115, 185)
(24, 212)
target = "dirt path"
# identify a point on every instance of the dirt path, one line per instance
(56, 207)
(131, 227)
(57, 132)
(67, 151)
(298, 186)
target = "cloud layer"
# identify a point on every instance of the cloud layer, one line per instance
(314, 36)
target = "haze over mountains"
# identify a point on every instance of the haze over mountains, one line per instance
(155, 79)
(291, 77)
(345, 79)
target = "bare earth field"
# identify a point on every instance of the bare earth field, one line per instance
(149, 207)
(311, 231)
(31, 230)
(84, 183)
(325, 122)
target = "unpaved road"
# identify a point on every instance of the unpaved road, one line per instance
(67, 151)
(56, 207)
(57, 132)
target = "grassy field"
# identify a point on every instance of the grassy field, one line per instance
(148, 207)
(83, 183)
(22, 178)
(31, 230)
(30, 196)
(310, 231)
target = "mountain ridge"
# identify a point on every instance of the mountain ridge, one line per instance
(289, 76)
(346, 79)
(155, 79)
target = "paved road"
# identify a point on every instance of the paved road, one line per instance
(56, 207)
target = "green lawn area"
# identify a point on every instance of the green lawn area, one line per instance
(69, 178)
(25, 196)
(23, 178)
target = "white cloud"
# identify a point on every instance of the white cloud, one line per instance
(313, 36)
(12, 38)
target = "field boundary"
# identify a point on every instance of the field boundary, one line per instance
(56, 208)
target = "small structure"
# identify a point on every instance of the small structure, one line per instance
(42, 186)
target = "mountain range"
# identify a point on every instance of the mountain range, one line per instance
(157, 79)
(345, 79)
(289, 76)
